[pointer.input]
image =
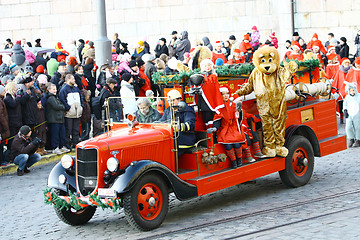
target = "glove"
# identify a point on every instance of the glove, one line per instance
(180, 127)
(238, 106)
(176, 127)
(36, 141)
(346, 115)
(211, 130)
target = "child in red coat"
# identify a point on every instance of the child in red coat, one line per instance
(228, 124)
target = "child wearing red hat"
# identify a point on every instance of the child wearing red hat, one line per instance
(236, 58)
(295, 52)
(255, 38)
(333, 65)
(217, 52)
(245, 44)
(227, 123)
(273, 40)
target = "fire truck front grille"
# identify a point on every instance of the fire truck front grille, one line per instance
(86, 170)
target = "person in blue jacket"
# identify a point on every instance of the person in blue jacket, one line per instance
(186, 122)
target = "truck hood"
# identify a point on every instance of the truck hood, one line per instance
(125, 137)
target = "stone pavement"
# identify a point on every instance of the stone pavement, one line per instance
(326, 208)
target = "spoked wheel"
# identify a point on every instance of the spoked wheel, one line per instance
(146, 205)
(74, 217)
(299, 164)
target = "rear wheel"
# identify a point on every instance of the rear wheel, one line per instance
(146, 205)
(74, 217)
(299, 164)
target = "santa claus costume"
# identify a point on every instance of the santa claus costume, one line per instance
(315, 41)
(333, 65)
(209, 100)
(354, 74)
(217, 53)
(228, 124)
(295, 52)
(236, 58)
(338, 83)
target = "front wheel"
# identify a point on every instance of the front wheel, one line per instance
(74, 217)
(299, 163)
(146, 205)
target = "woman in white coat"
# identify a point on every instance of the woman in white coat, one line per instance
(127, 94)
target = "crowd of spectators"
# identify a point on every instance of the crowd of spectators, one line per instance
(60, 95)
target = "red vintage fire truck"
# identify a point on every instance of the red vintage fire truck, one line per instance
(135, 166)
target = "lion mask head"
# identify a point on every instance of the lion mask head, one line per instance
(267, 60)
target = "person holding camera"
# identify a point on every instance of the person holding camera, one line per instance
(23, 150)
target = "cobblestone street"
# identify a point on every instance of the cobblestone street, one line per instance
(326, 208)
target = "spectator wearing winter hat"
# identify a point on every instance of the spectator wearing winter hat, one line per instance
(58, 75)
(18, 56)
(9, 44)
(124, 48)
(140, 50)
(245, 44)
(234, 44)
(4, 126)
(147, 84)
(81, 44)
(72, 62)
(183, 46)
(217, 53)
(173, 43)
(88, 74)
(13, 106)
(206, 42)
(127, 93)
(90, 52)
(161, 48)
(344, 48)
(255, 38)
(296, 36)
(42, 81)
(38, 42)
(52, 65)
(273, 40)
(30, 97)
(22, 150)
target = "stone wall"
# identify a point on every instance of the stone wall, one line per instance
(134, 20)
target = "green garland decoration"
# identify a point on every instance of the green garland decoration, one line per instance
(228, 71)
(61, 203)
(162, 78)
(234, 70)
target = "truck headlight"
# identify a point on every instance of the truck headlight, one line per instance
(67, 161)
(112, 164)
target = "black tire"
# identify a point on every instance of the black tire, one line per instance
(73, 217)
(295, 173)
(139, 200)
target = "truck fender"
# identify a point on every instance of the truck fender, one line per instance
(127, 180)
(53, 179)
(305, 131)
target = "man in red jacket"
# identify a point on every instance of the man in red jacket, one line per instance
(23, 150)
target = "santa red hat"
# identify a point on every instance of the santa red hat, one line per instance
(316, 45)
(315, 36)
(344, 60)
(254, 28)
(272, 35)
(237, 50)
(247, 37)
(40, 69)
(357, 60)
(224, 88)
(58, 46)
(331, 47)
(296, 44)
(332, 56)
(217, 43)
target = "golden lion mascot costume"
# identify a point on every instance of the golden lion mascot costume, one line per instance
(268, 81)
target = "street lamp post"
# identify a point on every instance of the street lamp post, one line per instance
(102, 43)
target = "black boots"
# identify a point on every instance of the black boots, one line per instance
(26, 170)
(234, 164)
(357, 143)
(20, 172)
(351, 142)
(239, 162)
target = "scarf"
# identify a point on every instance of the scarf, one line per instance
(345, 69)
